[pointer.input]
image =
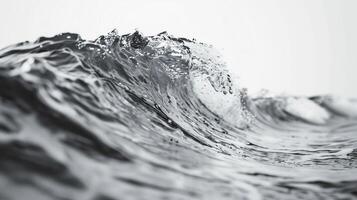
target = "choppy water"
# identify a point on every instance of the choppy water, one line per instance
(134, 117)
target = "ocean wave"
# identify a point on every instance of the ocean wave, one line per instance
(137, 117)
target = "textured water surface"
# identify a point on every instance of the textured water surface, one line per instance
(159, 117)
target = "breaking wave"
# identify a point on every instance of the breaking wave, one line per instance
(159, 117)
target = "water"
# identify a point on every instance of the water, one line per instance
(159, 117)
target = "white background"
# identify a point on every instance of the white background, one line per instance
(302, 47)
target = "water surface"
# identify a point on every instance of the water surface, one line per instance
(159, 117)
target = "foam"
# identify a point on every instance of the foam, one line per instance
(307, 110)
(343, 106)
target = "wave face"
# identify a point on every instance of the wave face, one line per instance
(159, 117)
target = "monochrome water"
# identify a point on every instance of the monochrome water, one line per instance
(159, 117)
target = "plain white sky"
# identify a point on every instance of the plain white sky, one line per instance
(302, 47)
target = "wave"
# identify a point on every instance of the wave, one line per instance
(133, 116)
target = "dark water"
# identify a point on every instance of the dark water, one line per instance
(134, 117)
